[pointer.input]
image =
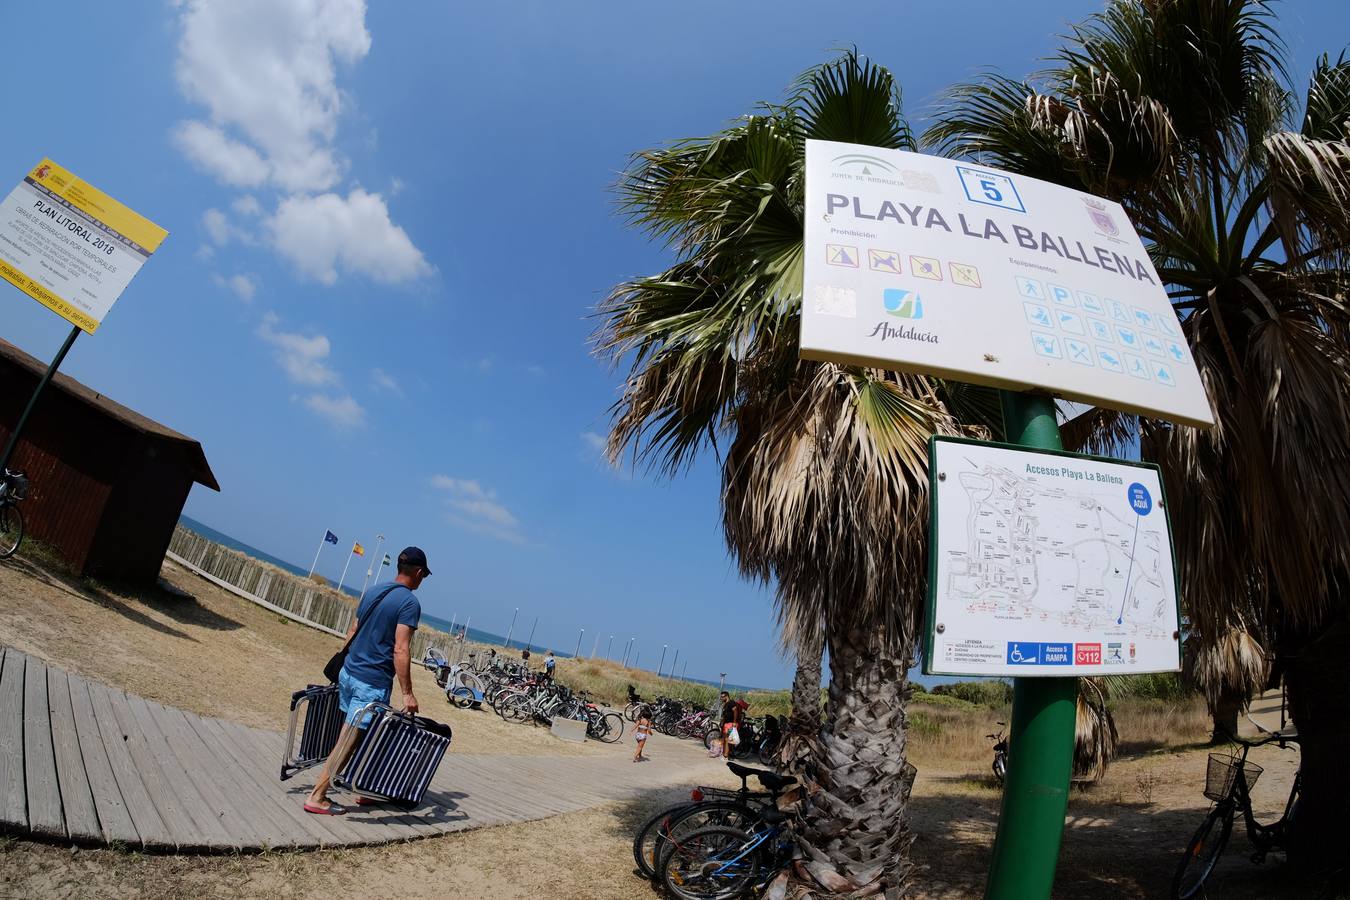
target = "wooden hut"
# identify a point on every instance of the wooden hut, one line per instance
(107, 484)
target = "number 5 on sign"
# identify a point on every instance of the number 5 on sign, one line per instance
(990, 188)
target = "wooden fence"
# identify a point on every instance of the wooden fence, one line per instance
(298, 598)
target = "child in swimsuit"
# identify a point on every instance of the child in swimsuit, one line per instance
(640, 734)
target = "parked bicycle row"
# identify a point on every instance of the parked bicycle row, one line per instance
(720, 843)
(726, 731)
(519, 695)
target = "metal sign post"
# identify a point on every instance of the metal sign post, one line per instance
(13, 441)
(1040, 754)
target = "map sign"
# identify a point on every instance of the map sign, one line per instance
(1047, 563)
(70, 246)
(943, 267)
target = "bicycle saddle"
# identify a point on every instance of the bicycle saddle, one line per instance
(770, 780)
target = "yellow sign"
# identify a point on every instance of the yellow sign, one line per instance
(70, 246)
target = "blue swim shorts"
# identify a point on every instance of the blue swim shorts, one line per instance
(353, 694)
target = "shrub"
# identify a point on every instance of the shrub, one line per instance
(982, 693)
(318, 579)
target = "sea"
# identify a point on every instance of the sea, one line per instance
(475, 634)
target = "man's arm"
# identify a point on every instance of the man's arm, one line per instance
(403, 665)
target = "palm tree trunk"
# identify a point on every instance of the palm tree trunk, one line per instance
(1318, 680)
(854, 834)
(803, 727)
(1225, 717)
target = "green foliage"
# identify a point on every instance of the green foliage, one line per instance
(1166, 686)
(945, 701)
(922, 724)
(981, 693)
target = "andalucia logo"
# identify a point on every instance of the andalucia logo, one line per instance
(902, 303)
(863, 164)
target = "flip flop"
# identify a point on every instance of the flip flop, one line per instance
(332, 809)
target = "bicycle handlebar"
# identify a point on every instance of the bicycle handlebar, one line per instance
(1277, 737)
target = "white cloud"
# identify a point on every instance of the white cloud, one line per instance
(217, 226)
(385, 382)
(266, 70)
(303, 357)
(476, 508)
(593, 442)
(222, 231)
(340, 409)
(242, 286)
(325, 234)
(229, 160)
(247, 205)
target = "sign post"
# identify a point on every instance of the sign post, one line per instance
(73, 249)
(955, 270)
(1040, 745)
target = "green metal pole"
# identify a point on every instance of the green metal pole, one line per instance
(13, 441)
(1040, 751)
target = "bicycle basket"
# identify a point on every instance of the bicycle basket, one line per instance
(1222, 771)
(18, 484)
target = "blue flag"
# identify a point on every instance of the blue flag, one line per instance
(330, 537)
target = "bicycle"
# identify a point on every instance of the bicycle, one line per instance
(1228, 782)
(13, 488)
(722, 862)
(706, 807)
(1000, 765)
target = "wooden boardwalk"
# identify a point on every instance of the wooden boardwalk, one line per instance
(84, 763)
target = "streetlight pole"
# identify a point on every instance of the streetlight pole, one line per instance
(674, 662)
(577, 654)
(370, 569)
(685, 671)
(662, 662)
(595, 643)
(609, 649)
(721, 681)
(529, 642)
(626, 648)
(512, 628)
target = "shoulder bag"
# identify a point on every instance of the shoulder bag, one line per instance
(334, 667)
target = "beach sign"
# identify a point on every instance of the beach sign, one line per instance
(70, 246)
(943, 267)
(1046, 564)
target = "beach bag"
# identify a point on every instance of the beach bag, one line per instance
(339, 659)
(733, 736)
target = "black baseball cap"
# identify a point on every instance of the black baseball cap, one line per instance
(413, 556)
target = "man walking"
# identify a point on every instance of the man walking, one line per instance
(549, 664)
(379, 647)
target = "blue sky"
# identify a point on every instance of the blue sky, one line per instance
(387, 235)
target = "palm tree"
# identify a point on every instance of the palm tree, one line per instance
(1183, 112)
(799, 744)
(824, 481)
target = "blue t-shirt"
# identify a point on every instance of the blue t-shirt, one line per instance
(371, 656)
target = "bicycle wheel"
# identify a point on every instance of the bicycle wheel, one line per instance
(710, 864)
(610, 727)
(645, 841)
(11, 529)
(1202, 854)
(708, 814)
(460, 696)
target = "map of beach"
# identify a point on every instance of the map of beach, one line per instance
(1048, 560)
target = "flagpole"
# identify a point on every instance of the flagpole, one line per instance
(344, 568)
(316, 554)
(379, 542)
